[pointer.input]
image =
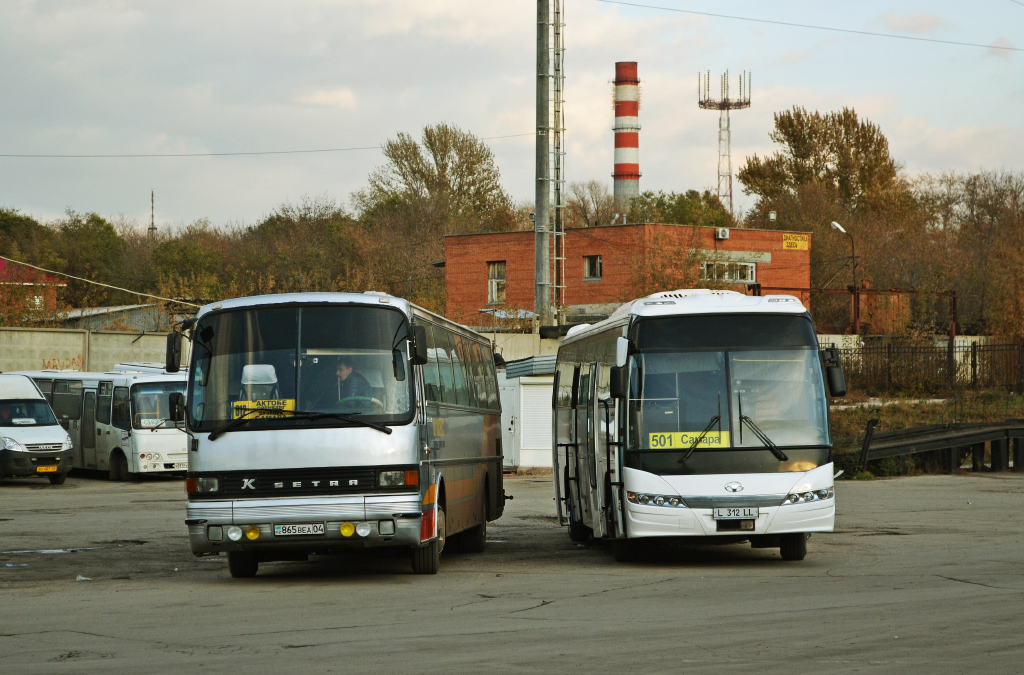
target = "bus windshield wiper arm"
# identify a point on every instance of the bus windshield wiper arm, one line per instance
(348, 417)
(238, 421)
(693, 446)
(763, 437)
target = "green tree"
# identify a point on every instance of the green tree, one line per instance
(836, 149)
(680, 208)
(89, 247)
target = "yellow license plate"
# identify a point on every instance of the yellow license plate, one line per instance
(46, 469)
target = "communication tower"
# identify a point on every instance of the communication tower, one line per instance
(723, 104)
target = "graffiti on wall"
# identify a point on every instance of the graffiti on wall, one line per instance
(74, 363)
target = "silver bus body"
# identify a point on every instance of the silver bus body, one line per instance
(285, 487)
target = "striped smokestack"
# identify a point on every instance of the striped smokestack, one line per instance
(627, 134)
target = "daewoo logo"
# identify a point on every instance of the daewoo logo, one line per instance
(734, 487)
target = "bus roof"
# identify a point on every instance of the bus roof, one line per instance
(367, 298)
(110, 375)
(693, 301)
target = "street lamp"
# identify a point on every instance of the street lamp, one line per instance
(853, 289)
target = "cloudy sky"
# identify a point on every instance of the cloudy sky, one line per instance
(119, 77)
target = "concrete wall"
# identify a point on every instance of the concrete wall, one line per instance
(74, 349)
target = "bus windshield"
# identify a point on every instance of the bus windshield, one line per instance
(151, 403)
(264, 363)
(25, 413)
(727, 406)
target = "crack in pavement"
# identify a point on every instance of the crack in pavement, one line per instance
(978, 583)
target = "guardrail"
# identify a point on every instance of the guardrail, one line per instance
(951, 444)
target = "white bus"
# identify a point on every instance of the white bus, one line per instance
(288, 457)
(696, 413)
(118, 421)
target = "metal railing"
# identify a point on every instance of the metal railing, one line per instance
(914, 368)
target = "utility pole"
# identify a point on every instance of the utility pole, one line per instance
(152, 220)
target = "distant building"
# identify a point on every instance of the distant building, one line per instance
(490, 277)
(26, 289)
(139, 318)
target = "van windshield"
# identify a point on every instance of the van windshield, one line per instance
(26, 413)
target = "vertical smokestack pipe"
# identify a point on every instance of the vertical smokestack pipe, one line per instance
(627, 135)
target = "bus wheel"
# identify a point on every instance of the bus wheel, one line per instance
(58, 478)
(427, 559)
(242, 565)
(625, 550)
(793, 546)
(474, 539)
(118, 466)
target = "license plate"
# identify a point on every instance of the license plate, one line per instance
(181, 465)
(298, 529)
(46, 469)
(733, 513)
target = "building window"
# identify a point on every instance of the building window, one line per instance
(591, 267)
(496, 283)
(728, 272)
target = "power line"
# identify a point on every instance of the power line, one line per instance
(97, 283)
(222, 154)
(811, 26)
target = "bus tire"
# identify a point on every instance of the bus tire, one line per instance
(242, 564)
(474, 539)
(625, 550)
(58, 478)
(793, 546)
(427, 559)
(118, 466)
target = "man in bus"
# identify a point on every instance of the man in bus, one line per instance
(351, 383)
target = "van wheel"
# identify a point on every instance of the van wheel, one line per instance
(242, 565)
(58, 478)
(118, 466)
(793, 546)
(427, 559)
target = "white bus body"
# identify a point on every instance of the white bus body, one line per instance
(695, 413)
(118, 422)
(283, 463)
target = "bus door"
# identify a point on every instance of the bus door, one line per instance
(89, 430)
(585, 438)
(605, 414)
(107, 438)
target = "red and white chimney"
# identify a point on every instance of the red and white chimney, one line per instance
(627, 135)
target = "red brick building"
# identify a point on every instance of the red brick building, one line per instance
(23, 289)
(493, 274)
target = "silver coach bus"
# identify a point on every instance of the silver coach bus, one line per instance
(289, 458)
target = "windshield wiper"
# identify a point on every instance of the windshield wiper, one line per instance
(717, 419)
(761, 436)
(298, 414)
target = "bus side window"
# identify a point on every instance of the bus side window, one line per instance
(460, 362)
(67, 399)
(444, 365)
(103, 397)
(46, 386)
(431, 380)
(121, 416)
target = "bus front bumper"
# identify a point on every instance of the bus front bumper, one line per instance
(652, 521)
(364, 521)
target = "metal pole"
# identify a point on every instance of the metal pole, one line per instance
(542, 210)
(856, 292)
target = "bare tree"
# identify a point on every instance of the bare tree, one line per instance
(589, 204)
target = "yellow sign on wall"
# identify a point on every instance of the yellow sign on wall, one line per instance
(796, 242)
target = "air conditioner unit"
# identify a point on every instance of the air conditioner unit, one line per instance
(721, 233)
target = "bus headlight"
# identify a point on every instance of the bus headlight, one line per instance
(235, 533)
(669, 501)
(363, 529)
(252, 533)
(202, 484)
(810, 496)
(394, 478)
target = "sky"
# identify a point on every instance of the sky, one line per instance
(119, 77)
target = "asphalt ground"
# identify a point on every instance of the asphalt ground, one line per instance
(923, 574)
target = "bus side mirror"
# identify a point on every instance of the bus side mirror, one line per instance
(619, 382)
(834, 373)
(177, 401)
(621, 351)
(173, 358)
(836, 380)
(419, 345)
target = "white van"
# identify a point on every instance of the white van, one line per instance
(32, 443)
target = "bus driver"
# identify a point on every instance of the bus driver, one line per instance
(351, 383)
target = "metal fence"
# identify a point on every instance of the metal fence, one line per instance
(913, 368)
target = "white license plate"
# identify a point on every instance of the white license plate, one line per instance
(734, 513)
(181, 465)
(298, 529)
